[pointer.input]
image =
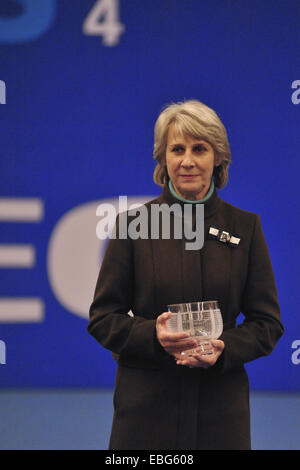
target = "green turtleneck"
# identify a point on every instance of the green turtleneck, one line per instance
(209, 193)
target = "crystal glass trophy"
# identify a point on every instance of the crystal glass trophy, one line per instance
(202, 319)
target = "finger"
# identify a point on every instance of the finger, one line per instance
(197, 362)
(218, 344)
(190, 361)
(205, 360)
(187, 362)
(163, 317)
(176, 337)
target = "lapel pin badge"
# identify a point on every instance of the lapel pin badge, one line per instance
(223, 237)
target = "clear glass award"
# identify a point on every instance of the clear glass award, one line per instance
(203, 320)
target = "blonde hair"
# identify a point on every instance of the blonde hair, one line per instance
(196, 120)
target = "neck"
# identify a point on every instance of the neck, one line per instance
(205, 198)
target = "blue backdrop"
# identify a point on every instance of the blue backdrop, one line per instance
(82, 83)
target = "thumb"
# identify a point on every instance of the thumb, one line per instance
(217, 343)
(162, 319)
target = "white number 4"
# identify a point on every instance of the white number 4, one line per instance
(103, 20)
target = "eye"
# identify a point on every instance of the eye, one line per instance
(199, 148)
(178, 149)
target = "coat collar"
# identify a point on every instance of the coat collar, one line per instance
(210, 206)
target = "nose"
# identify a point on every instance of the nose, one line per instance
(188, 160)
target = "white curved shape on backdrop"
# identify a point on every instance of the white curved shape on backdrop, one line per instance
(75, 254)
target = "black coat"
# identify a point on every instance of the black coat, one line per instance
(158, 404)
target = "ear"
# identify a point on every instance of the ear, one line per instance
(218, 160)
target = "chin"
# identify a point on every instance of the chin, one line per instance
(192, 191)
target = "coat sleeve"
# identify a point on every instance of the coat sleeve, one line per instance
(131, 338)
(262, 327)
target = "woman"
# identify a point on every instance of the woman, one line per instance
(165, 399)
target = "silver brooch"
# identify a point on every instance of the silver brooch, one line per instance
(223, 237)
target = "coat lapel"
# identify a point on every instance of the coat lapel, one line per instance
(216, 270)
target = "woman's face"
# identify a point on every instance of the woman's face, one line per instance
(190, 164)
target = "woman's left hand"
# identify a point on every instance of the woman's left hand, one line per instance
(196, 358)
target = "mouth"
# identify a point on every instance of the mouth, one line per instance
(188, 176)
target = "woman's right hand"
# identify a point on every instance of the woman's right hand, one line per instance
(173, 343)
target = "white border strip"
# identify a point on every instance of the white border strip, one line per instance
(21, 310)
(21, 209)
(16, 256)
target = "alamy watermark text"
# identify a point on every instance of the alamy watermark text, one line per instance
(2, 92)
(2, 352)
(156, 221)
